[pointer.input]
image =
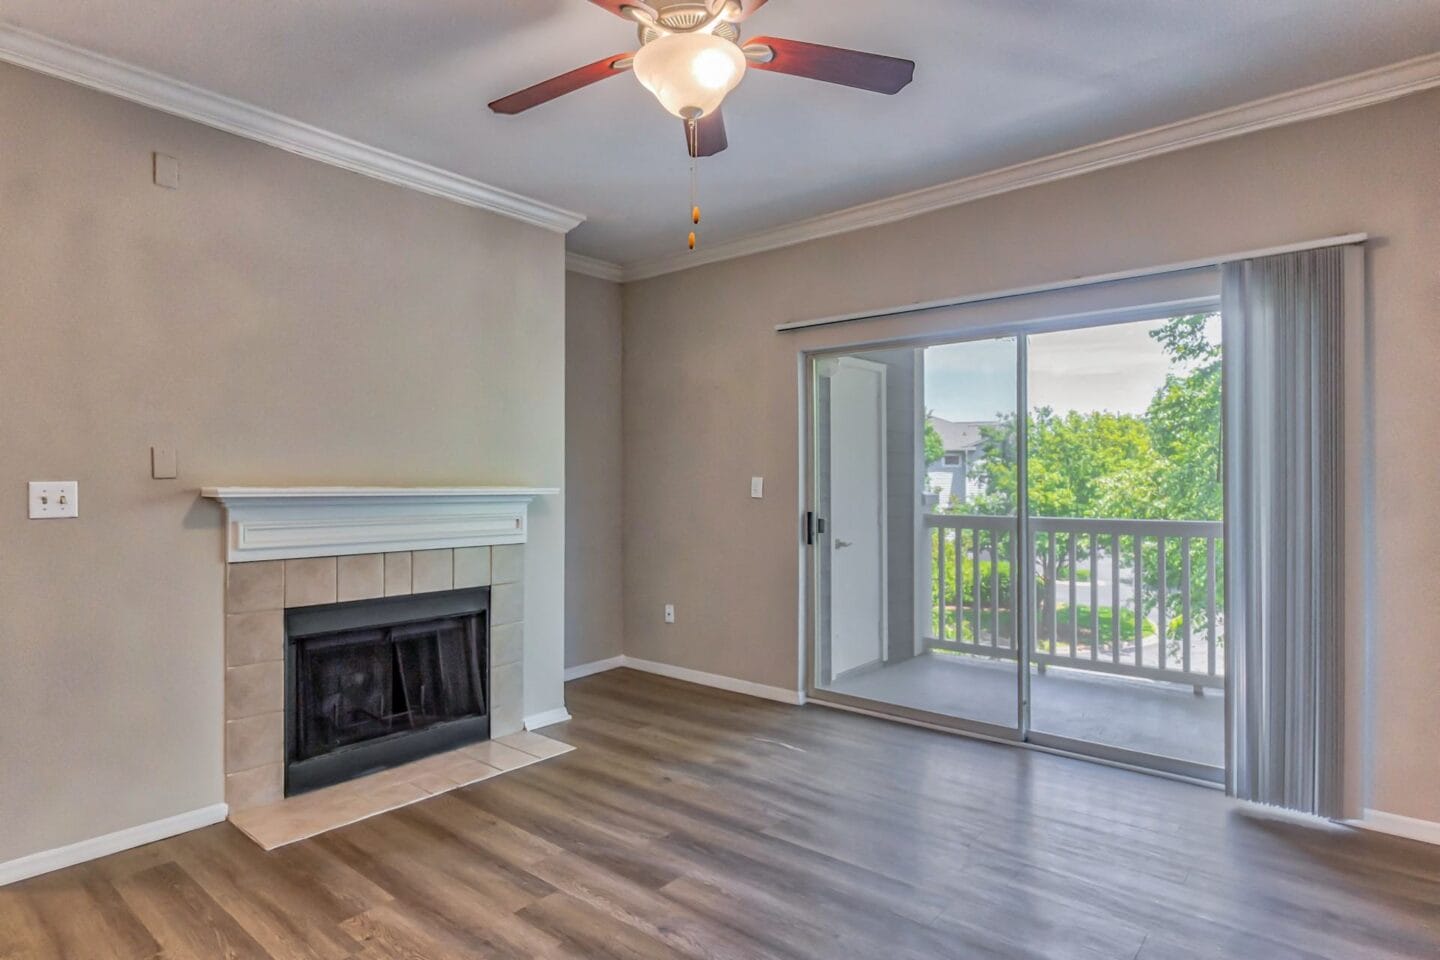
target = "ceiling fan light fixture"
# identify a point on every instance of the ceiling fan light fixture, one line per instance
(690, 73)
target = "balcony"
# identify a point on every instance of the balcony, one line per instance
(1128, 626)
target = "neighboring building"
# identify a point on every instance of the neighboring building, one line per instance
(950, 476)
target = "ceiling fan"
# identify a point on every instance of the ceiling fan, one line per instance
(691, 56)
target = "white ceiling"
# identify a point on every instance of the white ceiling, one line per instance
(998, 82)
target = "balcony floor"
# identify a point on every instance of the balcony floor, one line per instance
(1161, 719)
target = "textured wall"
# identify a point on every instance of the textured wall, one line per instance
(711, 396)
(594, 621)
(279, 322)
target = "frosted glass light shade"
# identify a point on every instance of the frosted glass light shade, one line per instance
(690, 73)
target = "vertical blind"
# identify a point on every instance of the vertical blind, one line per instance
(1283, 332)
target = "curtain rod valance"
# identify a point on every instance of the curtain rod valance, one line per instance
(1340, 241)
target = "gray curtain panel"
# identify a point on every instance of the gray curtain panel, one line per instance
(1282, 322)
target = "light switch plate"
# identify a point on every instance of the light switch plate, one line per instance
(53, 499)
(757, 487)
(167, 172)
(162, 463)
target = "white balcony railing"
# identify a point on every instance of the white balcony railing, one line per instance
(1136, 598)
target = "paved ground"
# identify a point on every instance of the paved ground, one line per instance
(1157, 718)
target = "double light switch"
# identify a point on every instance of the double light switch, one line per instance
(52, 499)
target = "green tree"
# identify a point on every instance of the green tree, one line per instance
(1071, 458)
(1164, 464)
(934, 445)
(1184, 419)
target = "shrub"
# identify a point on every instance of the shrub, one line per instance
(966, 565)
(987, 595)
(1066, 615)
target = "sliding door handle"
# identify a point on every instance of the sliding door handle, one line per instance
(812, 527)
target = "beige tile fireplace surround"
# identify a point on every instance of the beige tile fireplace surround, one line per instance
(257, 594)
(292, 547)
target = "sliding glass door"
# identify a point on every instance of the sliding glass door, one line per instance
(1125, 506)
(855, 472)
(916, 601)
(955, 540)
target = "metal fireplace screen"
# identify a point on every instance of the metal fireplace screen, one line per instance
(382, 682)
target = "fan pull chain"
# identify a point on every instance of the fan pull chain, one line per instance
(694, 131)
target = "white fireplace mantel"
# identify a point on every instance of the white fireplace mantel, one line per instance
(282, 523)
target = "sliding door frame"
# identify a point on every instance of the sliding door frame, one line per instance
(1022, 732)
(1024, 602)
(809, 362)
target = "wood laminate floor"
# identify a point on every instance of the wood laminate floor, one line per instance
(694, 823)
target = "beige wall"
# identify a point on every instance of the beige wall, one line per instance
(278, 321)
(593, 472)
(711, 396)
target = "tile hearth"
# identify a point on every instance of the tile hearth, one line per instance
(309, 814)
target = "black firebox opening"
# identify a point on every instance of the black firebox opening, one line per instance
(376, 683)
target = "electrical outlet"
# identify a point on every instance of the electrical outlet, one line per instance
(52, 499)
(669, 613)
(757, 487)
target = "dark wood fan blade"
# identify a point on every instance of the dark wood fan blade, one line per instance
(867, 71)
(709, 137)
(548, 90)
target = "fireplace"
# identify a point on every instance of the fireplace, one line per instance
(296, 549)
(376, 683)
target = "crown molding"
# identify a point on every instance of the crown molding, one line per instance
(55, 58)
(594, 267)
(1308, 103)
(42, 54)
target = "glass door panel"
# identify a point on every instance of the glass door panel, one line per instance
(1125, 505)
(916, 545)
(954, 541)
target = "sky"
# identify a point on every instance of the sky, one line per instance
(1116, 368)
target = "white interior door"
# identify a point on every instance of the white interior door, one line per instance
(856, 523)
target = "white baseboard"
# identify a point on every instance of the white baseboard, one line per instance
(594, 666)
(47, 860)
(715, 680)
(718, 681)
(538, 720)
(1426, 831)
